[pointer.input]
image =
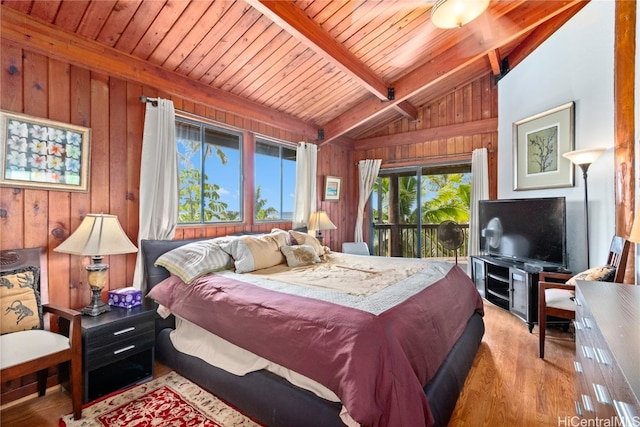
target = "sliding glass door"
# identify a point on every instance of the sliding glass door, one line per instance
(408, 205)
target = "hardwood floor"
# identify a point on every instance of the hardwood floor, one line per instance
(508, 383)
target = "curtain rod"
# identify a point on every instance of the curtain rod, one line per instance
(153, 101)
(436, 157)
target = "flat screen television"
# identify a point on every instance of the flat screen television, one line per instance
(527, 230)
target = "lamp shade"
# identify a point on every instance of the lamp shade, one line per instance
(97, 235)
(320, 221)
(584, 157)
(456, 13)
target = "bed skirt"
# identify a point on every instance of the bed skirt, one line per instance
(275, 402)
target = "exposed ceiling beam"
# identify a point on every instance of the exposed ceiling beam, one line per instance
(294, 21)
(450, 62)
(494, 61)
(44, 38)
(440, 132)
(407, 109)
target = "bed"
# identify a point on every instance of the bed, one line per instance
(379, 357)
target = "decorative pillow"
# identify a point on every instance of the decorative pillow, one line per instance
(605, 273)
(20, 307)
(288, 236)
(307, 239)
(252, 253)
(196, 259)
(300, 255)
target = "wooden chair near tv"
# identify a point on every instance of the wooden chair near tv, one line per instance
(555, 296)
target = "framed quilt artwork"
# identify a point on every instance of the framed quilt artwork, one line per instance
(41, 153)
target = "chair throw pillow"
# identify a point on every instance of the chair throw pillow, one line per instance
(604, 273)
(20, 306)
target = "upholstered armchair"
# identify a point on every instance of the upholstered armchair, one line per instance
(27, 346)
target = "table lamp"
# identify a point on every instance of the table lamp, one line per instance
(97, 235)
(320, 221)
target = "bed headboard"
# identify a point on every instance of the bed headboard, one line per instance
(151, 251)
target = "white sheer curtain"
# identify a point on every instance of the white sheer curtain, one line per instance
(158, 178)
(305, 195)
(367, 174)
(479, 191)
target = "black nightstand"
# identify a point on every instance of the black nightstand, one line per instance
(117, 350)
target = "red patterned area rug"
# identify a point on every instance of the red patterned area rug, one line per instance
(170, 400)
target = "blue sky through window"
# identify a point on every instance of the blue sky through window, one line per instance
(221, 163)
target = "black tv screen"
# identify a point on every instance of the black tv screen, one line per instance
(527, 230)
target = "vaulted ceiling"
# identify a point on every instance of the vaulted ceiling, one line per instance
(345, 68)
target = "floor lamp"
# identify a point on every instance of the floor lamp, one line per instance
(584, 159)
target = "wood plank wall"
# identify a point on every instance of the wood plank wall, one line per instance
(472, 103)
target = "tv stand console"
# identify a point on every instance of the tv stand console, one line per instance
(507, 284)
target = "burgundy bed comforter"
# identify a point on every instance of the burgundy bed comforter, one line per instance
(377, 365)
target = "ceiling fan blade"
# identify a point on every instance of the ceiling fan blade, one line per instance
(366, 9)
(407, 52)
(491, 26)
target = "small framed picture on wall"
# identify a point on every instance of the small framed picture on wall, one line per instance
(332, 188)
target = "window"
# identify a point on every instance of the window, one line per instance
(210, 173)
(275, 177)
(407, 205)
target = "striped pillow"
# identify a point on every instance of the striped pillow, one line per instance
(196, 259)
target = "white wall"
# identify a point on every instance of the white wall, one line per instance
(575, 64)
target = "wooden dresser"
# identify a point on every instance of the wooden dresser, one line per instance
(608, 352)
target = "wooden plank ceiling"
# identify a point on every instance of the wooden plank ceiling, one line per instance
(346, 67)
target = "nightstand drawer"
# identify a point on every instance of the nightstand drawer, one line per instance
(120, 330)
(121, 349)
(123, 331)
